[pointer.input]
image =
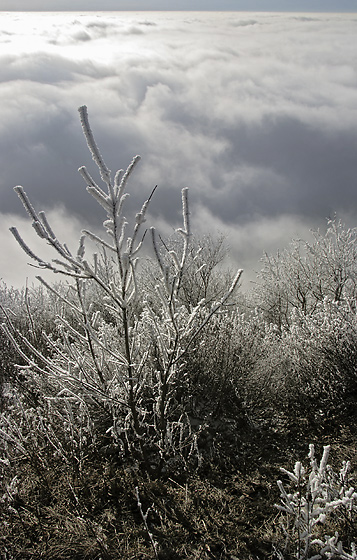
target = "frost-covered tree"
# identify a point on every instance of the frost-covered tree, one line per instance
(303, 275)
(119, 356)
(206, 277)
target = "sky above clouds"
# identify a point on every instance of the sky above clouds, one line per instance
(206, 5)
(255, 113)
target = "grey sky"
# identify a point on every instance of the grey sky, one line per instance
(248, 5)
(256, 114)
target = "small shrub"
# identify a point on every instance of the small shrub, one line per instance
(121, 359)
(318, 496)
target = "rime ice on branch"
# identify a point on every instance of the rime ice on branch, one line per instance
(131, 365)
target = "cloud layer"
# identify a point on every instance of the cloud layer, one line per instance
(205, 5)
(256, 113)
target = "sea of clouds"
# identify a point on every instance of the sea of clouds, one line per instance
(255, 113)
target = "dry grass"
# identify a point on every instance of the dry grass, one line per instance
(224, 511)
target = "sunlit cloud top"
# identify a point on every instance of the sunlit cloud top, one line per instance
(256, 113)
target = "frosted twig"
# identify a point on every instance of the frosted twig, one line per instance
(144, 517)
(98, 239)
(100, 198)
(126, 175)
(186, 211)
(58, 294)
(27, 249)
(214, 310)
(46, 224)
(26, 202)
(89, 179)
(103, 169)
(156, 250)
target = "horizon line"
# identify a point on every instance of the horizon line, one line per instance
(183, 11)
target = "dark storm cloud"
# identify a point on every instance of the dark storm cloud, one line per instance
(257, 114)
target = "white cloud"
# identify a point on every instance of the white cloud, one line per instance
(256, 113)
(248, 242)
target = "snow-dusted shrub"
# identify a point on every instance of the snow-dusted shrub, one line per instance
(31, 311)
(322, 350)
(205, 278)
(304, 369)
(231, 360)
(118, 356)
(304, 274)
(51, 430)
(275, 373)
(316, 495)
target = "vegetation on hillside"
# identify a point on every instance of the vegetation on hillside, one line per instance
(151, 410)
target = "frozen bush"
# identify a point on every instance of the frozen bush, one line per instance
(302, 276)
(123, 359)
(316, 495)
(322, 349)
